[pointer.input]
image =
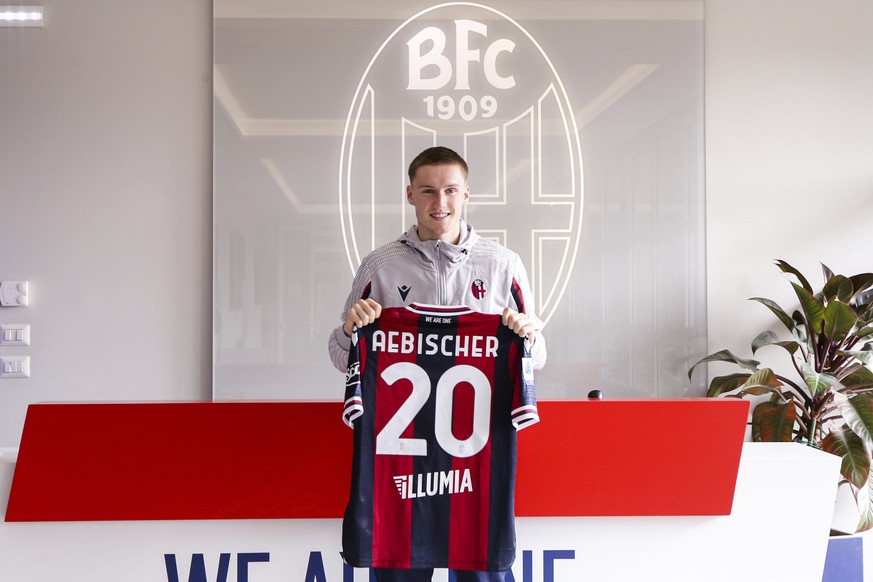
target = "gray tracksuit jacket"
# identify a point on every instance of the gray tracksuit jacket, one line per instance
(477, 272)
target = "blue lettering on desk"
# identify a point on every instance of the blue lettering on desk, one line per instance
(197, 571)
(549, 557)
(315, 571)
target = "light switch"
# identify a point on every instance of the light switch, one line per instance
(14, 334)
(14, 366)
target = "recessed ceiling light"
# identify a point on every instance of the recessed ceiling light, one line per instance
(21, 16)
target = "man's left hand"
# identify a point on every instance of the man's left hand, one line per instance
(520, 324)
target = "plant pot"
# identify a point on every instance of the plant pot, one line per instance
(846, 512)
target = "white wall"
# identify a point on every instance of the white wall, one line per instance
(105, 201)
(105, 182)
(789, 154)
(789, 157)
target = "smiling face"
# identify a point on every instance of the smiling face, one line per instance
(439, 193)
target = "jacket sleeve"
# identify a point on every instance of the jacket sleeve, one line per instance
(338, 347)
(338, 343)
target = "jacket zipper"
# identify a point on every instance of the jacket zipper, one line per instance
(441, 284)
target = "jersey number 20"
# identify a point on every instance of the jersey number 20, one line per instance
(389, 440)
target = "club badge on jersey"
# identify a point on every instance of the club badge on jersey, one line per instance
(436, 396)
(478, 289)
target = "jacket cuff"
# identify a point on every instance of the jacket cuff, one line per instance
(344, 341)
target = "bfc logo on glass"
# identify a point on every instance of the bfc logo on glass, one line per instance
(468, 77)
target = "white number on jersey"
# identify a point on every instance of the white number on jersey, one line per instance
(389, 440)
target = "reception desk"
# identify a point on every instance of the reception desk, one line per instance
(634, 490)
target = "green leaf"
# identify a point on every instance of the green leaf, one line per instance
(828, 273)
(850, 447)
(768, 338)
(865, 357)
(723, 384)
(861, 283)
(818, 382)
(812, 309)
(758, 391)
(777, 311)
(862, 303)
(838, 287)
(858, 413)
(839, 320)
(860, 378)
(727, 356)
(764, 378)
(799, 330)
(786, 268)
(865, 312)
(773, 421)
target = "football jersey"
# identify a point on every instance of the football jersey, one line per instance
(435, 396)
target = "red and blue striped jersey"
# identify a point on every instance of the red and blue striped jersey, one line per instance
(435, 395)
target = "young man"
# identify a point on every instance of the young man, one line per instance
(440, 261)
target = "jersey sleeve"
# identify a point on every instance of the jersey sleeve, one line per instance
(354, 404)
(524, 410)
(521, 295)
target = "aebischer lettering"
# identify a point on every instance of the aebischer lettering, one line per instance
(404, 342)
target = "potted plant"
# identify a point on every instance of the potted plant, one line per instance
(827, 401)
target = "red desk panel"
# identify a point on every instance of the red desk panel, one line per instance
(91, 462)
(631, 457)
(141, 461)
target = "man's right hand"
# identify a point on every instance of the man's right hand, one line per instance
(363, 312)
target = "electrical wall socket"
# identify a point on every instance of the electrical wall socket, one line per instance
(13, 293)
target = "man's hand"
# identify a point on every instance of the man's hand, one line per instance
(363, 312)
(519, 323)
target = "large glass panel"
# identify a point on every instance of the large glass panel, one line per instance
(583, 126)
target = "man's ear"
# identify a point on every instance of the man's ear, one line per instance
(409, 194)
